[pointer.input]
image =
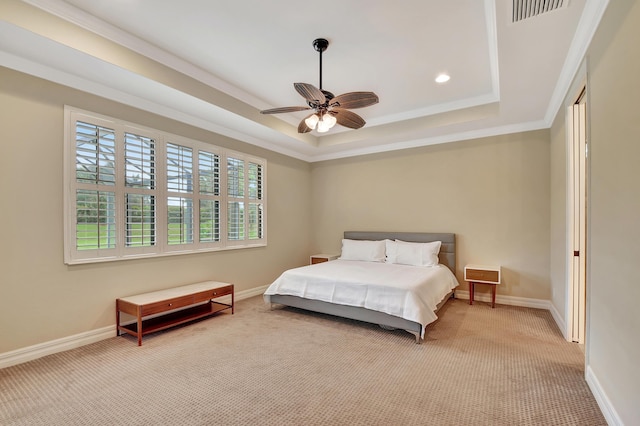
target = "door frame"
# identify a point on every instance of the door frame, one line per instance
(577, 157)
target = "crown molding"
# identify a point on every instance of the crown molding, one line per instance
(591, 16)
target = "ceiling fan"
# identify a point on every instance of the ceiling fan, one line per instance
(327, 108)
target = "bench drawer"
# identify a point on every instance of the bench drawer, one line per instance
(212, 294)
(167, 305)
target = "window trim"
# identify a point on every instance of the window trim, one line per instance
(162, 247)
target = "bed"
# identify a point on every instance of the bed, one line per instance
(394, 295)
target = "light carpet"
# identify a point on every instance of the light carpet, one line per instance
(477, 366)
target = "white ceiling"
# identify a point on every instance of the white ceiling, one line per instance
(505, 76)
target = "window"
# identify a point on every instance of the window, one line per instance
(133, 192)
(245, 201)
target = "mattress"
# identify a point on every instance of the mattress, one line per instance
(409, 292)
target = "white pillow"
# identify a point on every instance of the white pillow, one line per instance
(391, 251)
(369, 251)
(415, 254)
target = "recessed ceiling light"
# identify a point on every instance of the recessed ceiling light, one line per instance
(442, 78)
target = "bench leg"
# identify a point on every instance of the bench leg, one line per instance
(139, 326)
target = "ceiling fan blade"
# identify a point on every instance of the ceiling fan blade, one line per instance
(284, 109)
(347, 118)
(310, 92)
(355, 100)
(302, 127)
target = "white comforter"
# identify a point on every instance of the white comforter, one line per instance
(409, 292)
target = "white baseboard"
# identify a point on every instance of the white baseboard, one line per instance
(609, 413)
(559, 320)
(520, 301)
(506, 300)
(30, 353)
(245, 294)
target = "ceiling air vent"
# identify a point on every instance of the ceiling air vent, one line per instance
(523, 9)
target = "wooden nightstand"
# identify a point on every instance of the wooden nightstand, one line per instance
(319, 258)
(480, 274)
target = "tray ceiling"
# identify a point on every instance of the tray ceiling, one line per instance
(220, 63)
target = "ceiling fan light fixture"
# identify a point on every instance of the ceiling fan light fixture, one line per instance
(312, 121)
(327, 122)
(329, 119)
(322, 128)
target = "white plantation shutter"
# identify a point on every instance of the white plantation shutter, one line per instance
(180, 220)
(94, 219)
(95, 154)
(179, 168)
(209, 189)
(255, 215)
(140, 220)
(235, 203)
(245, 205)
(209, 220)
(133, 192)
(140, 161)
(209, 173)
(180, 214)
(140, 195)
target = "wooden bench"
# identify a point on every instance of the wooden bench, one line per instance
(171, 307)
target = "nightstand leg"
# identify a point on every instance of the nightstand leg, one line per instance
(471, 293)
(493, 296)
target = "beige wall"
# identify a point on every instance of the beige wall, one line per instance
(613, 346)
(493, 193)
(558, 217)
(43, 299)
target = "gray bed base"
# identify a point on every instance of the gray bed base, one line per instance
(447, 257)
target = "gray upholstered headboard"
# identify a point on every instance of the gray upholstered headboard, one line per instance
(447, 250)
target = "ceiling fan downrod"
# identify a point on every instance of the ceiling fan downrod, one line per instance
(320, 44)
